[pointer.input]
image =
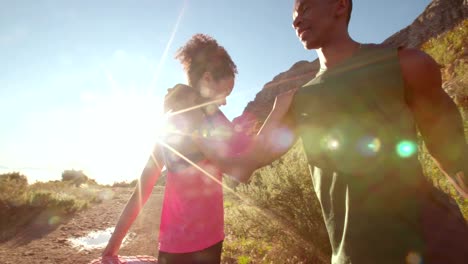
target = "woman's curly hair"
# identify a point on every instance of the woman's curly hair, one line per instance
(203, 54)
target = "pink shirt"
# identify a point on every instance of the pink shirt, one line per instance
(192, 215)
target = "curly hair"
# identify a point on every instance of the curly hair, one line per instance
(203, 54)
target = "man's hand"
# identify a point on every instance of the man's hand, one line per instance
(460, 183)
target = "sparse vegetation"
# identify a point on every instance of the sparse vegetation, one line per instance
(76, 177)
(450, 50)
(125, 184)
(20, 202)
(277, 217)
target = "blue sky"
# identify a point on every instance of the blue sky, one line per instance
(81, 81)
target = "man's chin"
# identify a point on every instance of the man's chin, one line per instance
(308, 45)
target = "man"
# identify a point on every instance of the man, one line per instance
(357, 120)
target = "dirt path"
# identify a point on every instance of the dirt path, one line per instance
(42, 242)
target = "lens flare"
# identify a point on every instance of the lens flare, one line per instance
(105, 195)
(369, 146)
(54, 220)
(283, 139)
(406, 148)
(414, 258)
(330, 143)
(333, 144)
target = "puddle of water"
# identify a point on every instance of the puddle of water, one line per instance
(96, 239)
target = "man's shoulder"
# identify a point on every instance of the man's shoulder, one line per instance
(415, 57)
(418, 68)
(416, 62)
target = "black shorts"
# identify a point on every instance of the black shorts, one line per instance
(211, 255)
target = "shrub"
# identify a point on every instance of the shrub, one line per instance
(279, 211)
(76, 177)
(67, 204)
(13, 187)
(21, 203)
(449, 48)
(125, 184)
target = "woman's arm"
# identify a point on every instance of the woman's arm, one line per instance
(436, 116)
(140, 195)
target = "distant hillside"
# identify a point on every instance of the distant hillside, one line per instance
(439, 17)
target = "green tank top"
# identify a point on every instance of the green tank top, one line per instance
(361, 144)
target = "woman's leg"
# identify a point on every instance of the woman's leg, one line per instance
(211, 255)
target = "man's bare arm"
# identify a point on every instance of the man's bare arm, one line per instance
(436, 115)
(264, 146)
(279, 124)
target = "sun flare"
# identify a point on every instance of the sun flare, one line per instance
(118, 132)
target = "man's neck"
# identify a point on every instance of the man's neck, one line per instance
(336, 51)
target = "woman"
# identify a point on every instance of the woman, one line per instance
(192, 220)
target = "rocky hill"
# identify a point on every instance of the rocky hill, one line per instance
(439, 17)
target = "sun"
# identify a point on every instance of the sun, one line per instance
(118, 133)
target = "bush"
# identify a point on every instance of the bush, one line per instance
(13, 187)
(76, 177)
(20, 203)
(280, 212)
(449, 48)
(125, 184)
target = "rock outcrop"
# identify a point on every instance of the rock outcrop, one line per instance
(438, 17)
